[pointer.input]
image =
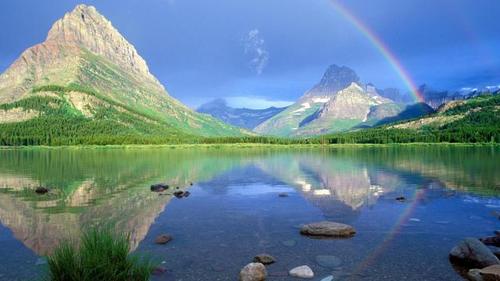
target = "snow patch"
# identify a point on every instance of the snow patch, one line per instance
(305, 106)
(321, 100)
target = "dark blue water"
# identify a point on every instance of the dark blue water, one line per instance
(234, 211)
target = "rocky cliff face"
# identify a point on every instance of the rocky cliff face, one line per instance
(351, 103)
(335, 79)
(85, 27)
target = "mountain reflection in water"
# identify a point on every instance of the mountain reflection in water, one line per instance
(111, 186)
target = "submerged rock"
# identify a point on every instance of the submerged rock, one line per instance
(328, 261)
(490, 273)
(328, 278)
(41, 190)
(283, 194)
(264, 259)
(328, 229)
(253, 272)
(302, 271)
(158, 270)
(400, 198)
(473, 253)
(289, 243)
(186, 194)
(163, 239)
(159, 187)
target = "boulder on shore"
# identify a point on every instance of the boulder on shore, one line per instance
(253, 272)
(473, 253)
(41, 190)
(328, 229)
(302, 271)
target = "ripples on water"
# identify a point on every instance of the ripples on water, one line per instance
(234, 211)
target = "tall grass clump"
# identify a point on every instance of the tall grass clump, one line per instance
(101, 255)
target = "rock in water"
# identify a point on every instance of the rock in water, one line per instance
(473, 253)
(159, 270)
(179, 194)
(490, 273)
(41, 190)
(328, 261)
(493, 240)
(289, 243)
(253, 272)
(159, 187)
(264, 259)
(303, 271)
(328, 228)
(283, 194)
(163, 239)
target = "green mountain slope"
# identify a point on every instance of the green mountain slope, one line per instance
(469, 121)
(87, 84)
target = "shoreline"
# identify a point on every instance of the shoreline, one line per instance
(247, 146)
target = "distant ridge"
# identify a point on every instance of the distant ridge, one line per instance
(240, 117)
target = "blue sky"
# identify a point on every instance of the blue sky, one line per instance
(263, 52)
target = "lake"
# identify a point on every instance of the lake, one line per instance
(234, 211)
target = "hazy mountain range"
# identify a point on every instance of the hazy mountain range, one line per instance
(241, 117)
(339, 102)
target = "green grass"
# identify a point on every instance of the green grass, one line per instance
(101, 255)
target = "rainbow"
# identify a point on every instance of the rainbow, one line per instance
(392, 234)
(381, 47)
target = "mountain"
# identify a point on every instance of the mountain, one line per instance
(338, 102)
(240, 117)
(334, 79)
(396, 95)
(436, 98)
(473, 113)
(471, 120)
(87, 83)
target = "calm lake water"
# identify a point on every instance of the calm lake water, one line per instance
(234, 211)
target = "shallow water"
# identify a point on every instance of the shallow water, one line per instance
(234, 211)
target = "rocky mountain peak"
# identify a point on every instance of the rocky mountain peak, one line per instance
(334, 79)
(87, 28)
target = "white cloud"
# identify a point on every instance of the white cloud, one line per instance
(255, 48)
(255, 102)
